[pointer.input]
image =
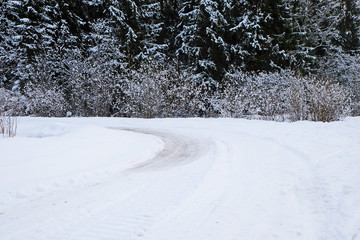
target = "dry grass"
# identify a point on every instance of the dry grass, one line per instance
(8, 126)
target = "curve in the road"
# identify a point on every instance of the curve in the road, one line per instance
(178, 150)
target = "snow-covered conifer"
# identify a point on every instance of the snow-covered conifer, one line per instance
(201, 41)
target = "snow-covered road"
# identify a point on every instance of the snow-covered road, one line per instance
(221, 179)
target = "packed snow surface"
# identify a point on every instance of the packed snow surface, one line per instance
(177, 179)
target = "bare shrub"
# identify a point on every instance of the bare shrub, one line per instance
(90, 88)
(282, 95)
(44, 100)
(317, 99)
(156, 90)
(327, 101)
(245, 95)
(296, 99)
(12, 104)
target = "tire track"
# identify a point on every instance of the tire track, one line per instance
(178, 150)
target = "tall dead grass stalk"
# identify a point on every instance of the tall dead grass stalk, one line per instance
(8, 126)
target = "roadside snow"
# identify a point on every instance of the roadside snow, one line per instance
(107, 178)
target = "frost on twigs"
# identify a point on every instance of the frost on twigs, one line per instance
(283, 95)
(156, 91)
(318, 100)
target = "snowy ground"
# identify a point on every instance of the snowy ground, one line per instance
(177, 179)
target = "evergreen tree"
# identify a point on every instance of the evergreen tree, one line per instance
(201, 40)
(152, 27)
(37, 34)
(9, 54)
(15, 44)
(268, 34)
(248, 37)
(141, 27)
(350, 27)
(217, 59)
(170, 19)
(321, 18)
(281, 25)
(126, 16)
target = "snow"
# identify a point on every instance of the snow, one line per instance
(223, 179)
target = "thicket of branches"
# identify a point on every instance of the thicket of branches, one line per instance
(157, 91)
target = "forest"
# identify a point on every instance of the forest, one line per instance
(264, 59)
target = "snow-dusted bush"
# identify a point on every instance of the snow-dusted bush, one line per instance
(317, 99)
(156, 90)
(345, 69)
(12, 104)
(90, 88)
(189, 96)
(297, 100)
(40, 96)
(144, 96)
(44, 100)
(248, 95)
(282, 95)
(327, 101)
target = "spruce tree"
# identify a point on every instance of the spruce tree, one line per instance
(15, 44)
(321, 19)
(281, 25)
(170, 19)
(248, 37)
(8, 51)
(126, 26)
(201, 41)
(349, 27)
(268, 34)
(152, 27)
